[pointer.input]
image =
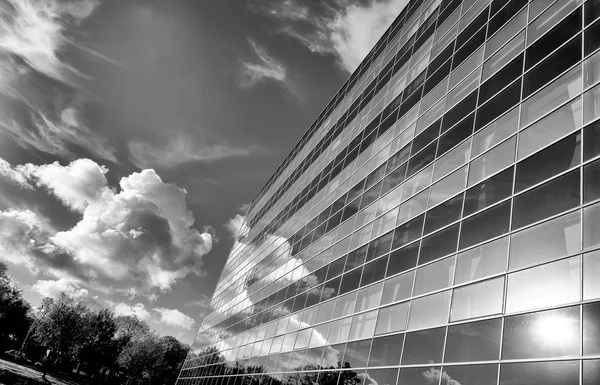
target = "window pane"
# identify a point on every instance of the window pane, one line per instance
(506, 54)
(591, 70)
(475, 341)
(443, 214)
(551, 198)
(540, 373)
(591, 372)
(424, 347)
(558, 92)
(357, 353)
(591, 329)
(435, 276)
(403, 259)
(397, 288)
(492, 161)
(550, 18)
(482, 261)
(392, 318)
(429, 311)
(378, 376)
(509, 30)
(363, 325)
(485, 225)
(552, 284)
(489, 191)
(496, 132)
(386, 350)
(551, 333)
(550, 161)
(413, 207)
(591, 140)
(417, 182)
(478, 300)
(559, 123)
(470, 375)
(591, 104)
(591, 226)
(447, 187)
(591, 275)
(345, 305)
(418, 376)
(591, 182)
(442, 243)
(452, 160)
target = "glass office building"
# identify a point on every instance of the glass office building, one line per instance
(438, 224)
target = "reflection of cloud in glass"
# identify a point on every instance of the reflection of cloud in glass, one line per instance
(555, 330)
(331, 357)
(433, 375)
(367, 379)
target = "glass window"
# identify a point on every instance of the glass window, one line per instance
(392, 318)
(455, 135)
(550, 161)
(498, 105)
(356, 354)
(413, 206)
(470, 375)
(546, 242)
(443, 214)
(482, 261)
(496, 132)
(373, 376)
(492, 161)
(550, 18)
(546, 200)
(591, 70)
(422, 159)
(591, 224)
(504, 15)
(439, 244)
(591, 369)
(408, 232)
(591, 275)
(488, 192)
(435, 276)
(591, 329)
(386, 350)
(470, 83)
(338, 332)
(363, 325)
(448, 186)
(452, 160)
(592, 42)
(504, 55)
(550, 333)
(591, 104)
(403, 259)
(397, 288)
(500, 80)
(485, 225)
(477, 300)
(466, 68)
(369, 297)
(373, 271)
(417, 182)
(540, 373)
(552, 284)
(423, 347)
(429, 311)
(345, 305)
(559, 123)
(591, 142)
(558, 92)
(461, 110)
(474, 341)
(591, 182)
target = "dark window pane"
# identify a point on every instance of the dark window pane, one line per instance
(456, 135)
(501, 79)
(426, 137)
(540, 373)
(418, 376)
(489, 192)
(591, 140)
(356, 257)
(438, 76)
(498, 105)
(336, 268)
(422, 159)
(408, 232)
(350, 281)
(380, 246)
(357, 353)
(470, 47)
(591, 182)
(378, 376)
(462, 109)
(470, 375)
(424, 346)
(472, 28)
(591, 329)
(485, 225)
(552, 160)
(386, 350)
(474, 341)
(504, 15)
(546, 200)
(393, 179)
(403, 259)
(373, 271)
(440, 59)
(553, 39)
(443, 214)
(556, 64)
(369, 196)
(439, 244)
(551, 333)
(592, 38)
(591, 372)
(591, 11)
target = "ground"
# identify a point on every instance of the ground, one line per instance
(31, 373)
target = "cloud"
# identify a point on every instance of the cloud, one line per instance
(14, 176)
(347, 29)
(234, 225)
(49, 288)
(174, 317)
(130, 241)
(138, 310)
(184, 149)
(264, 68)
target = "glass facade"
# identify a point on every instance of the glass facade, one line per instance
(438, 224)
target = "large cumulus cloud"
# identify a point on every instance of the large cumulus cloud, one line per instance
(132, 239)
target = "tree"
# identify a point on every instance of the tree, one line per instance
(98, 344)
(15, 316)
(173, 355)
(141, 355)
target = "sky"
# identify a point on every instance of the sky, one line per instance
(134, 133)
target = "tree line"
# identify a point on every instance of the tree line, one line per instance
(65, 334)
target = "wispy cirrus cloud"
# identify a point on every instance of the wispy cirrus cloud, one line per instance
(346, 29)
(182, 149)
